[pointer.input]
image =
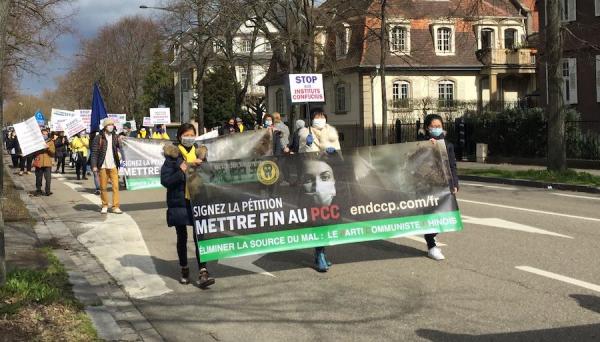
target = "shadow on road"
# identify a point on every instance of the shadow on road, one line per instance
(144, 206)
(590, 332)
(591, 303)
(283, 261)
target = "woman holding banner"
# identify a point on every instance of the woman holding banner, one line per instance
(434, 131)
(179, 213)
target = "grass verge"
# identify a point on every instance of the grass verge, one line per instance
(39, 305)
(14, 210)
(566, 177)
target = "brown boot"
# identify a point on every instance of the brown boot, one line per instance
(204, 279)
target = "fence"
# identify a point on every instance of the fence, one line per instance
(522, 138)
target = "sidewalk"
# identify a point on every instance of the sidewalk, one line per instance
(513, 167)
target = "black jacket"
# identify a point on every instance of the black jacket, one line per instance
(171, 177)
(61, 146)
(98, 150)
(451, 157)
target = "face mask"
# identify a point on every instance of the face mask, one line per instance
(324, 191)
(109, 129)
(188, 141)
(268, 123)
(436, 132)
(319, 123)
(46, 137)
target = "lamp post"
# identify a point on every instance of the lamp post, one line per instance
(179, 72)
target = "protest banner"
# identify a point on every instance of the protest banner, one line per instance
(117, 117)
(29, 136)
(133, 125)
(370, 193)
(147, 122)
(210, 135)
(86, 117)
(73, 126)
(58, 116)
(306, 88)
(143, 158)
(160, 116)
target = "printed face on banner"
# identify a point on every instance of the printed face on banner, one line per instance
(306, 88)
(160, 116)
(243, 207)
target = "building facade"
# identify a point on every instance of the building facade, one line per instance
(581, 57)
(447, 57)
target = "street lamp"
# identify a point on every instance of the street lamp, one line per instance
(179, 76)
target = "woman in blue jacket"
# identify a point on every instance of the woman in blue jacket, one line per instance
(179, 214)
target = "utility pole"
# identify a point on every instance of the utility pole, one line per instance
(4, 5)
(557, 158)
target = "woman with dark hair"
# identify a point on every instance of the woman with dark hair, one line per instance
(434, 131)
(178, 157)
(230, 127)
(61, 144)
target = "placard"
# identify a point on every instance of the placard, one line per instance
(30, 136)
(147, 122)
(73, 126)
(86, 117)
(306, 88)
(58, 116)
(160, 116)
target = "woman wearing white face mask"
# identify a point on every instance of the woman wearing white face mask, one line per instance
(320, 136)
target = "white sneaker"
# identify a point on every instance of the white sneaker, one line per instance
(117, 211)
(436, 254)
(104, 210)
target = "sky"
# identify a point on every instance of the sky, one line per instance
(89, 17)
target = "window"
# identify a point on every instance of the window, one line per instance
(243, 74)
(218, 45)
(401, 94)
(487, 38)
(246, 45)
(598, 77)
(569, 72)
(399, 39)
(510, 38)
(568, 10)
(444, 41)
(185, 83)
(342, 98)
(279, 101)
(342, 39)
(445, 94)
(267, 46)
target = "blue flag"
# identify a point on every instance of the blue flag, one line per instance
(98, 110)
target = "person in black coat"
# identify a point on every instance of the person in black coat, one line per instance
(434, 131)
(61, 144)
(179, 212)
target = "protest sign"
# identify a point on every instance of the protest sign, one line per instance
(143, 157)
(133, 125)
(117, 117)
(29, 136)
(86, 117)
(73, 126)
(160, 116)
(306, 88)
(371, 193)
(147, 122)
(58, 116)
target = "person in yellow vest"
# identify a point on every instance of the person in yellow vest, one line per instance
(240, 124)
(178, 157)
(80, 146)
(143, 134)
(160, 133)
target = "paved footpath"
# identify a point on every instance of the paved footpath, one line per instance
(524, 268)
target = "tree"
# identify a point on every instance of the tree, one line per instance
(3, 24)
(218, 96)
(158, 83)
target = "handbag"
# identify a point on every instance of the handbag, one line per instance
(37, 162)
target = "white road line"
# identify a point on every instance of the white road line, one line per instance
(559, 277)
(500, 223)
(577, 196)
(488, 186)
(531, 210)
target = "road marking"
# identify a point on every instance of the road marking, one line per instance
(531, 210)
(488, 186)
(246, 263)
(577, 196)
(500, 223)
(559, 277)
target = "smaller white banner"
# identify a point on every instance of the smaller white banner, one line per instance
(30, 136)
(306, 88)
(73, 126)
(160, 116)
(147, 122)
(86, 117)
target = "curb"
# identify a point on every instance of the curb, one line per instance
(113, 314)
(532, 184)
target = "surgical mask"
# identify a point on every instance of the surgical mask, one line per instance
(324, 191)
(46, 138)
(436, 132)
(268, 123)
(319, 123)
(109, 129)
(188, 141)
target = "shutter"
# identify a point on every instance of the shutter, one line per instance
(598, 75)
(572, 10)
(573, 80)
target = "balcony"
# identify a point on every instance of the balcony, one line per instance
(521, 57)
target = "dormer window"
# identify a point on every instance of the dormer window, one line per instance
(444, 39)
(342, 39)
(487, 38)
(400, 38)
(510, 38)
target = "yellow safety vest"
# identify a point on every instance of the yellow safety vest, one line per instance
(189, 157)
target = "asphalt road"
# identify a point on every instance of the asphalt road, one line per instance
(525, 268)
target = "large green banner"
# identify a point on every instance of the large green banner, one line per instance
(254, 206)
(143, 158)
